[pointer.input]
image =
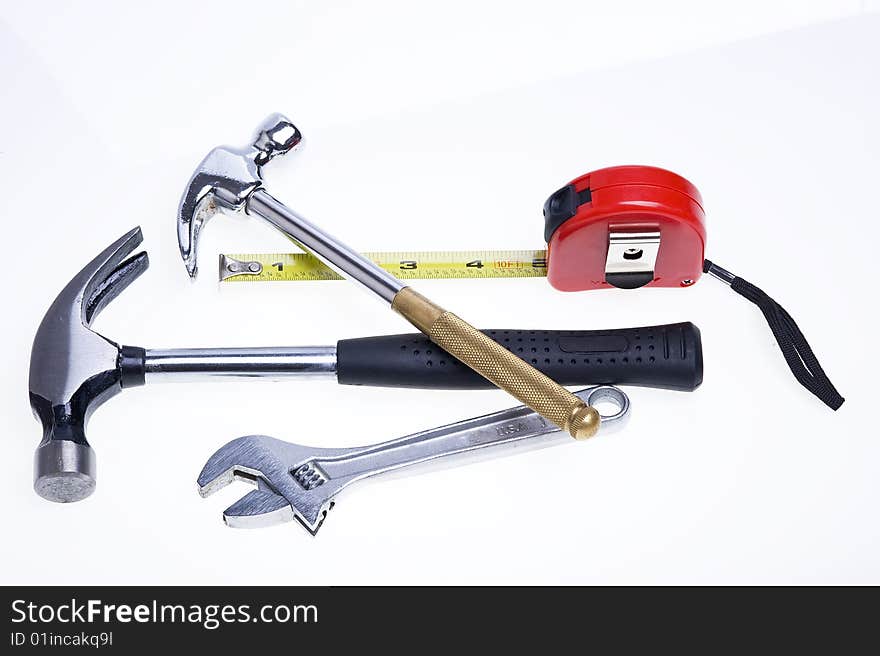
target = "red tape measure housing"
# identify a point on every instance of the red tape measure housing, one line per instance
(580, 218)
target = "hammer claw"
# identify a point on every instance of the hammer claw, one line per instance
(102, 279)
(115, 282)
(225, 179)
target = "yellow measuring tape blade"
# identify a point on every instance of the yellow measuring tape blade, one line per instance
(264, 267)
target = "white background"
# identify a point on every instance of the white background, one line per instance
(445, 127)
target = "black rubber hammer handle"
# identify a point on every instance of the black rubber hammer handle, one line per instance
(668, 357)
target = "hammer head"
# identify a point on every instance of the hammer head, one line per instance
(74, 370)
(226, 178)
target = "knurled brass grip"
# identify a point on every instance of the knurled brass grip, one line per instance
(495, 363)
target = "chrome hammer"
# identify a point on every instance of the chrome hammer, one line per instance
(231, 179)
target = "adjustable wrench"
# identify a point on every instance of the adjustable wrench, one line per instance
(301, 482)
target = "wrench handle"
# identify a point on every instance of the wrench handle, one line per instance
(498, 365)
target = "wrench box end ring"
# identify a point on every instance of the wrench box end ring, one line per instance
(613, 395)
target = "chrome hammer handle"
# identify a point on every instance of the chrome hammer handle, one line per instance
(459, 338)
(332, 252)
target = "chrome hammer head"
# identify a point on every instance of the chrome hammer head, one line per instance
(226, 178)
(74, 370)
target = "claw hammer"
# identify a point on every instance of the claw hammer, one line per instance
(231, 179)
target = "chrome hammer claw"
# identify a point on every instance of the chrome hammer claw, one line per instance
(301, 482)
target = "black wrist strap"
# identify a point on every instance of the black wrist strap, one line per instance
(797, 352)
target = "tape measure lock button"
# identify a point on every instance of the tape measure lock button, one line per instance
(626, 227)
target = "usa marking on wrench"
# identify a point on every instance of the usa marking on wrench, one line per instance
(301, 482)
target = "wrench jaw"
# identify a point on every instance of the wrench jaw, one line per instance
(258, 509)
(284, 491)
(264, 507)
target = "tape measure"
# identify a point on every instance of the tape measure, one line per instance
(623, 226)
(431, 265)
